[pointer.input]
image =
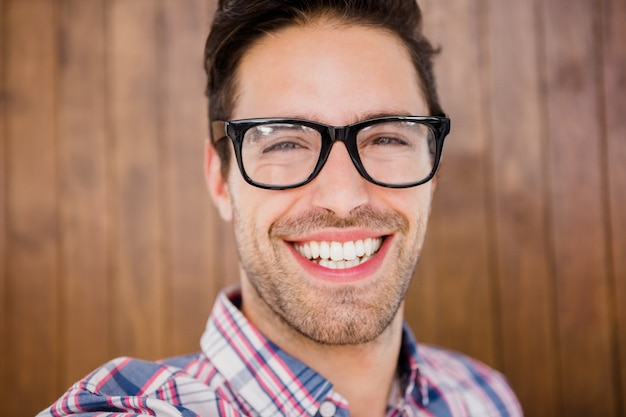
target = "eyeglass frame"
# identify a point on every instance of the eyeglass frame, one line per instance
(235, 130)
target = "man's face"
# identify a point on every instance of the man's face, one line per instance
(338, 75)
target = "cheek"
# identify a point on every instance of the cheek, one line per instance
(417, 209)
(413, 202)
(256, 209)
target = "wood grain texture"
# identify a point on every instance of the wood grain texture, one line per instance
(86, 298)
(520, 192)
(134, 38)
(578, 216)
(3, 202)
(613, 26)
(192, 274)
(32, 233)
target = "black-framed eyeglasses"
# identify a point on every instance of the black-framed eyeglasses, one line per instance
(278, 153)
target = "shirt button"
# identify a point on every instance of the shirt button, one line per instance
(327, 409)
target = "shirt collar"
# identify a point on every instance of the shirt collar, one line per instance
(271, 381)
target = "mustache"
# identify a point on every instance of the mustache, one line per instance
(361, 217)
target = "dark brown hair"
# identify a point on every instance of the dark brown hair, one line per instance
(239, 24)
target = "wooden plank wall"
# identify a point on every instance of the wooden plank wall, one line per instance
(109, 245)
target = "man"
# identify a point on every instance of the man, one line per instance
(326, 133)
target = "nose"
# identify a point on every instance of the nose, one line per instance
(339, 187)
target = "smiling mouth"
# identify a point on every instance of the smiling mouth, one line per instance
(340, 255)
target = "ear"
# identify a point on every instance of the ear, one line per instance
(217, 185)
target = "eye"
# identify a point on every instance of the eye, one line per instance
(388, 141)
(282, 145)
(280, 139)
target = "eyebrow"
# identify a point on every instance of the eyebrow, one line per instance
(355, 118)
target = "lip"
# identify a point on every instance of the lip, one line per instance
(355, 274)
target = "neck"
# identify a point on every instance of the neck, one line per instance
(363, 374)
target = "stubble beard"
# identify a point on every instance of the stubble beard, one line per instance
(342, 315)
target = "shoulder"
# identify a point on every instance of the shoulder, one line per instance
(455, 378)
(129, 376)
(127, 385)
(452, 363)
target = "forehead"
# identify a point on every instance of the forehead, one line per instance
(326, 72)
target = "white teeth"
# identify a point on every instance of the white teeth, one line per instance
(336, 251)
(368, 246)
(315, 250)
(324, 250)
(328, 264)
(359, 248)
(307, 251)
(354, 262)
(349, 251)
(337, 255)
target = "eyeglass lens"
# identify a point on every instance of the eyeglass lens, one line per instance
(392, 152)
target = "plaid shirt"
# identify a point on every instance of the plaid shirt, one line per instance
(241, 373)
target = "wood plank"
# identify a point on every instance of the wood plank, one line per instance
(520, 196)
(578, 212)
(32, 329)
(193, 245)
(463, 307)
(3, 203)
(133, 70)
(84, 215)
(614, 33)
